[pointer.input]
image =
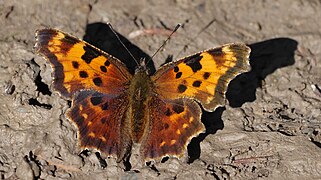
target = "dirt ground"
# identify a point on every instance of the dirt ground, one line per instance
(271, 128)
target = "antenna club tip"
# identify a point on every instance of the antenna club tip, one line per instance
(177, 26)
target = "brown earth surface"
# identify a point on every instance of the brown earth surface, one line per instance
(271, 128)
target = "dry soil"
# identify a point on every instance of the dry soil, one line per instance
(270, 129)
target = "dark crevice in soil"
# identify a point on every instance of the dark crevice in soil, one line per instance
(285, 133)
(69, 103)
(153, 167)
(41, 86)
(163, 24)
(34, 164)
(85, 153)
(211, 169)
(102, 162)
(318, 88)
(164, 159)
(35, 102)
(127, 164)
(9, 87)
(10, 11)
(316, 143)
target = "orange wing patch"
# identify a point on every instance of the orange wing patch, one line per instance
(78, 65)
(172, 125)
(203, 76)
(99, 118)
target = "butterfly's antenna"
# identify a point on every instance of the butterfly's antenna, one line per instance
(175, 29)
(121, 42)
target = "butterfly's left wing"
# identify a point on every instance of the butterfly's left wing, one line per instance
(175, 117)
(203, 76)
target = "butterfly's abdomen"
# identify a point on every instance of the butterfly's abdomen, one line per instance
(140, 88)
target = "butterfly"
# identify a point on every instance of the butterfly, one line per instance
(113, 109)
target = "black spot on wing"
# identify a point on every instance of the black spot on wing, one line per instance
(103, 120)
(216, 52)
(107, 63)
(67, 43)
(176, 69)
(75, 64)
(197, 83)
(90, 54)
(104, 106)
(95, 100)
(103, 68)
(178, 75)
(206, 75)
(168, 112)
(83, 74)
(181, 88)
(194, 62)
(178, 109)
(97, 81)
(70, 40)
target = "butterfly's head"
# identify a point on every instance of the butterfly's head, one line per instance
(142, 67)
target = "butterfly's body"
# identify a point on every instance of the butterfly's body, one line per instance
(140, 92)
(114, 109)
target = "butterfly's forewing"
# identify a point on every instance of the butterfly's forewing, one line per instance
(97, 84)
(203, 76)
(79, 65)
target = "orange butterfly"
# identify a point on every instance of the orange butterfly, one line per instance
(114, 109)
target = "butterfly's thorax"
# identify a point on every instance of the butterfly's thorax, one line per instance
(140, 90)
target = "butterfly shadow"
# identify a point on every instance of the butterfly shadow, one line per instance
(101, 36)
(266, 57)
